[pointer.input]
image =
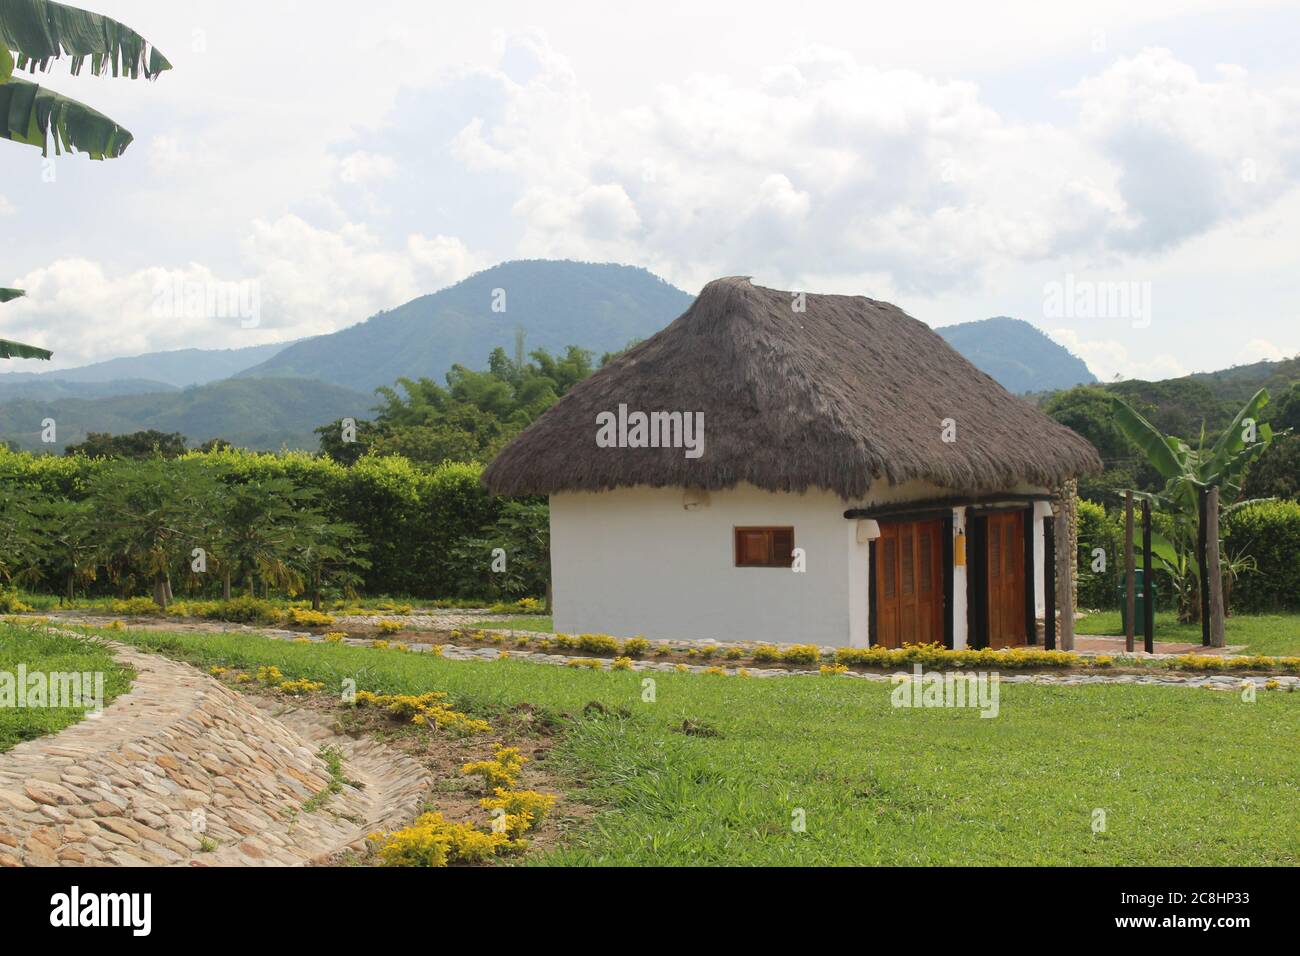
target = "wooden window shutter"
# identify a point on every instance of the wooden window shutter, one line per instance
(890, 564)
(927, 563)
(764, 547)
(909, 568)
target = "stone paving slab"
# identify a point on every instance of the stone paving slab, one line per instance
(181, 770)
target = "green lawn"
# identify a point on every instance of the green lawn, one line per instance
(42, 651)
(1275, 634)
(1184, 776)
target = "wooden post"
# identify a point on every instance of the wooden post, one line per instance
(1148, 605)
(1130, 575)
(1203, 560)
(1215, 574)
(1049, 585)
(1064, 578)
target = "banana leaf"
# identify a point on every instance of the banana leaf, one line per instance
(8, 294)
(19, 350)
(1231, 450)
(41, 31)
(1168, 456)
(35, 115)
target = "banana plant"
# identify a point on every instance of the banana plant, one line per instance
(35, 33)
(10, 349)
(1187, 472)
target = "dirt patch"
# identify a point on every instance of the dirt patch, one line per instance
(453, 794)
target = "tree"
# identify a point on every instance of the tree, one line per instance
(138, 445)
(19, 538)
(330, 554)
(68, 542)
(33, 34)
(471, 418)
(147, 516)
(263, 524)
(1188, 471)
(522, 532)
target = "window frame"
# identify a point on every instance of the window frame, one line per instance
(769, 529)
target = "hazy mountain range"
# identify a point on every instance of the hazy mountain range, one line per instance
(273, 396)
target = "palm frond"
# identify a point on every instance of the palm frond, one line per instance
(41, 31)
(35, 115)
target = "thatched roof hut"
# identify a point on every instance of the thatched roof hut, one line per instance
(845, 393)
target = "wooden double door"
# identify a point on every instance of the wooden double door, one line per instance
(910, 583)
(1005, 564)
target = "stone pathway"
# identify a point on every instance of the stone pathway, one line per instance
(181, 770)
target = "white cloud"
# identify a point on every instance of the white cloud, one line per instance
(363, 167)
(1262, 350)
(832, 163)
(1110, 358)
(302, 279)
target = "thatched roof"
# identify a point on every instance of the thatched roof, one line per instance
(846, 393)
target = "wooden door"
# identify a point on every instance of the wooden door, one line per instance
(1006, 575)
(909, 583)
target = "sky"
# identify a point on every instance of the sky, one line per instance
(1123, 176)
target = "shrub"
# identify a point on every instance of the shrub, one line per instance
(306, 617)
(10, 603)
(597, 644)
(245, 610)
(389, 627)
(135, 605)
(527, 804)
(801, 654)
(635, 647)
(766, 653)
(1270, 533)
(501, 771)
(434, 841)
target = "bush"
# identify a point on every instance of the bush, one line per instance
(306, 617)
(1097, 529)
(135, 605)
(10, 603)
(1270, 533)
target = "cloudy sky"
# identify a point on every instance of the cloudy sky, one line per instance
(1122, 175)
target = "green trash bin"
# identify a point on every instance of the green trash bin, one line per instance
(1139, 606)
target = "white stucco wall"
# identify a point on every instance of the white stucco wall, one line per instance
(637, 561)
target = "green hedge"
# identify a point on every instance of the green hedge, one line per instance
(1270, 533)
(413, 517)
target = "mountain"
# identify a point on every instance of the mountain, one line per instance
(177, 369)
(263, 414)
(44, 389)
(1018, 355)
(600, 306)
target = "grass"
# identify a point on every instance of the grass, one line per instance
(534, 623)
(1274, 634)
(41, 651)
(1182, 776)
